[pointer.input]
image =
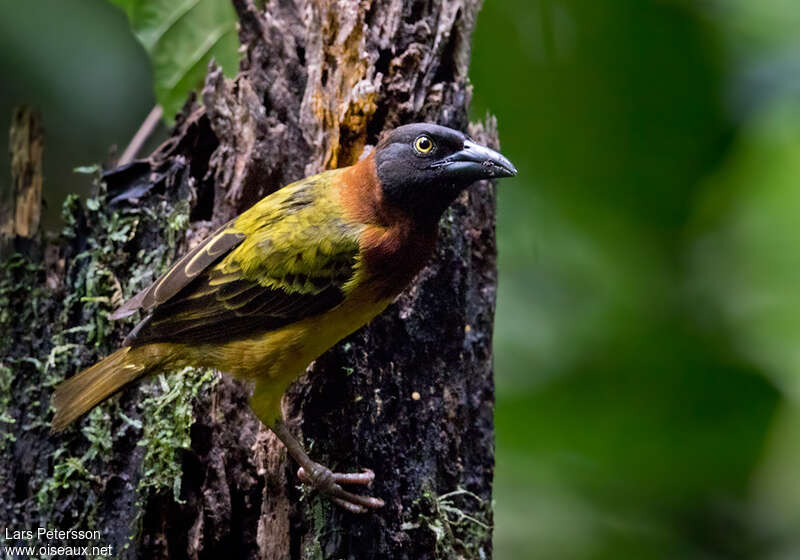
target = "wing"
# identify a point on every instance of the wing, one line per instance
(189, 267)
(295, 261)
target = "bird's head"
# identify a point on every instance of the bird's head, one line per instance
(422, 167)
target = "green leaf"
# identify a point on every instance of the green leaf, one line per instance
(181, 36)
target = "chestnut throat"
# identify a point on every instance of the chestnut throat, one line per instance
(395, 244)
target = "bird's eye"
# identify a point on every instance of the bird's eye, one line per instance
(423, 144)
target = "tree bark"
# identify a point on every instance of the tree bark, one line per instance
(21, 208)
(179, 467)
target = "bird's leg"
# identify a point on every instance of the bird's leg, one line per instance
(325, 480)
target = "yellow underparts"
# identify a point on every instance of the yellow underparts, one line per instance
(276, 358)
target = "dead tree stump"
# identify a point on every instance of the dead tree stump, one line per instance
(179, 467)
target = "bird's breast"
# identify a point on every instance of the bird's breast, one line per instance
(394, 246)
(392, 256)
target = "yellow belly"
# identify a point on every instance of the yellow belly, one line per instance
(276, 358)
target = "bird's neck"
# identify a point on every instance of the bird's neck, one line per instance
(394, 245)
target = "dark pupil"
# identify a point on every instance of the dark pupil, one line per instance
(424, 144)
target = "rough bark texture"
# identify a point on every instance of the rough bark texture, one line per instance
(179, 467)
(21, 208)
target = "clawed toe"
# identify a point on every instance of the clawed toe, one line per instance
(324, 480)
(365, 478)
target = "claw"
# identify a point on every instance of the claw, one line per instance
(324, 480)
(352, 508)
(365, 477)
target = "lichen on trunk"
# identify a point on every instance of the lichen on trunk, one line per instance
(179, 467)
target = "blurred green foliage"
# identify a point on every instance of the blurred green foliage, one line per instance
(77, 62)
(648, 303)
(181, 38)
(647, 377)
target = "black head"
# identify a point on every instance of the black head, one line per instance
(422, 167)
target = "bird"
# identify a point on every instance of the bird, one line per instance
(271, 290)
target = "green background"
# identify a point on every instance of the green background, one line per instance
(648, 334)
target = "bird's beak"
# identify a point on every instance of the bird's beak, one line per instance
(480, 161)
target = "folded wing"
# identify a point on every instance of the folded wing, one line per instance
(287, 258)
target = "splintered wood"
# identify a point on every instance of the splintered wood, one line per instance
(21, 208)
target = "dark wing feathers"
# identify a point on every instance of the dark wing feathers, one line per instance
(244, 309)
(183, 272)
(294, 263)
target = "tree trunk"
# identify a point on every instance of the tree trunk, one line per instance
(178, 467)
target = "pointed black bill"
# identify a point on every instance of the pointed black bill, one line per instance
(480, 162)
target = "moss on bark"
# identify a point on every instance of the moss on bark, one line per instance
(178, 466)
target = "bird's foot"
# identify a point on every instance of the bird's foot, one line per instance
(329, 482)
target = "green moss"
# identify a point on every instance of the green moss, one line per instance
(19, 281)
(319, 508)
(79, 460)
(177, 221)
(459, 522)
(74, 475)
(89, 292)
(167, 416)
(6, 435)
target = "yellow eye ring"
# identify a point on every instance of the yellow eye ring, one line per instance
(423, 144)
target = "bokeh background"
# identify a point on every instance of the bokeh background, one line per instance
(648, 325)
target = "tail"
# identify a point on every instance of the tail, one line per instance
(79, 394)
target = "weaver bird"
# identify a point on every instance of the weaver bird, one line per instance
(274, 288)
